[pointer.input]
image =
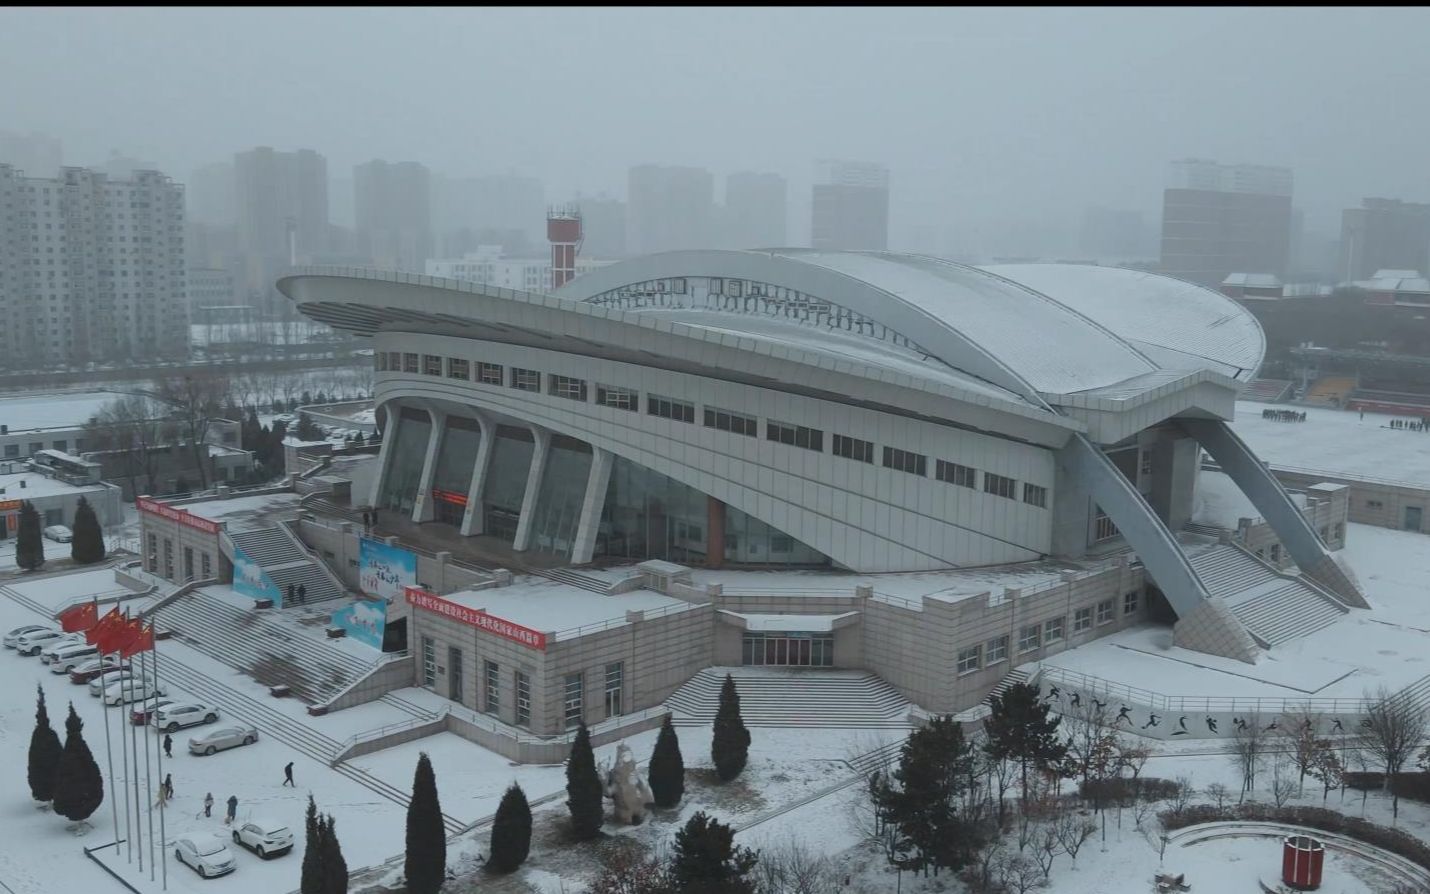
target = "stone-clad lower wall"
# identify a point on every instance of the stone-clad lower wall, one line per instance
(1379, 503)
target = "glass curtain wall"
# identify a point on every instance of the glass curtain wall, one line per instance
(506, 481)
(650, 516)
(563, 489)
(456, 459)
(749, 541)
(404, 465)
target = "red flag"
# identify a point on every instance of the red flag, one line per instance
(119, 638)
(140, 641)
(94, 635)
(79, 617)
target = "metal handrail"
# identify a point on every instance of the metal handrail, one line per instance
(647, 614)
(1178, 703)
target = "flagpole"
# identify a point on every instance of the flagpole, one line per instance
(124, 749)
(158, 757)
(148, 783)
(134, 749)
(108, 749)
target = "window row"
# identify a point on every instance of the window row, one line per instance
(723, 420)
(1035, 636)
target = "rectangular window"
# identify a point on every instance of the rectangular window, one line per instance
(904, 461)
(207, 565)
(1146, 463)
(492, 673)
(1030, 637)
(620, 398)
(797, 435)
(666, 408)
(567, 387)
(1104, 612)
(525, 379)
(615, 684)
(953, 473)
(999, 486)
(1369, 504)
(1130, 602)
(970, 659)
(853, 448)
(394, 361)
(153, 553)
(458, 368)
(523, 698)
(168, 559)
(997, 649)
(572, 700)
(1053, 630)
(1035, 495)
(1082, 620)
(12, 451)
(380, 358)
(188, 563)
(429, 661)
(489, 373)
(409, 363)
(735, 423)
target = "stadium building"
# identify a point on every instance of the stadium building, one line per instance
(862, 460)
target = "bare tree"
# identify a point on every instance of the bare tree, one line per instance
(131, 425)
(1184, 794)
(1283, 787)
(1394, 725)
(1049, 846)
(1218, 793)
(1019, 874)
(1298, 731)
(1247, 749)
(1073, 830)
(197, 400)
(792, 867)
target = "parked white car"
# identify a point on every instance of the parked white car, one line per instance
(174, 717)
(204, 853)
(222, 737)
(65, 658)
(33, 642)
(13, 636)
(110, 677)
(126, 691)
(59, 533)
(265, 837)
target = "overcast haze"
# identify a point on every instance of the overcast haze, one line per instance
(980, 114)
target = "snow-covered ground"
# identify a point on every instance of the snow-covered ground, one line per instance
(1337, 442)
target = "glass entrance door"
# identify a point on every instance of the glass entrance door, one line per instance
(1412, 518)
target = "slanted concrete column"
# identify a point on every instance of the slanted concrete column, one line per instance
(590, 522)
(542, 437)
(384, 453)
(422, 508)
(474, 520)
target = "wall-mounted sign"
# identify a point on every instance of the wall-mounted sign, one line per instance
(475, 617)
(182, 516)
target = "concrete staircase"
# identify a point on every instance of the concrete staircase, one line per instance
(1275, 607)
(981, 710)
(286, 564)
(270, 651)
(779, 697)
(574, 579)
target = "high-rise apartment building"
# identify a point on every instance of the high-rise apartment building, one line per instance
(1384, 234)
(91, 269)
(392, 208)
(755, 210)
(279, 191)
(603, 227)
(1221, 219)
(850, 207)
(35, 154)
(669, 208)
(210, 194)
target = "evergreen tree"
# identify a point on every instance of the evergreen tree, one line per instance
(87, 547)
(706, 861)
(312, 875)
(426, 866)
(934, 772)
(29, 546)
(79, 789)
(584, 792)
(335, 868)
(45, 751)
(730, 746)
(667, 767)
(1021, 728)
(511, 831)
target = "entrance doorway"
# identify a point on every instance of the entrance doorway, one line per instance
(1412, 518)
(788, 649)
(454, 674)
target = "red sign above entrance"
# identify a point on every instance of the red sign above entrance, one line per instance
(447, 496)
(182, 516)
(475, 617)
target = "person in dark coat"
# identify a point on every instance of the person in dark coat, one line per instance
(209, 804)
(168, 745)
(169, 786)
(302, 593)
(232, 810)
(288, 775)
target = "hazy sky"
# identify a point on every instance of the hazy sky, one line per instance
(981, 114)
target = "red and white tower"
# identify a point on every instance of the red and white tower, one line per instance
(563, 231)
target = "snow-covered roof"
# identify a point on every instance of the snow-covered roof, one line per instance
(790, 623)
(1253, 280)
(552, 607)
(33, 486)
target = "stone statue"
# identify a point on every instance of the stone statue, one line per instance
(626, 788)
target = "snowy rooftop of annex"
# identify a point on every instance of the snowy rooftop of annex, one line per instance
(33, 485)
(552, 607)
(1337, 440)
(242, 513)
(38, 410)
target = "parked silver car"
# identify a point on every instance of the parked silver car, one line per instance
(229, 735)
(12, 637)
(204, 853)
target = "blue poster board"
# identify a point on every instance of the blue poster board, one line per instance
(384, 570)
(252, 581)
(364, 621)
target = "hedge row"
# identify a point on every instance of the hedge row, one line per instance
(1123, 790)
(1394, 840)
(1414, 786)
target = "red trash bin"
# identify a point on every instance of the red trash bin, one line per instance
(1302, 858)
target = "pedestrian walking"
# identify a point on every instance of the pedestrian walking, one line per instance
(208, 804)
(162, 800)
(366, 520)
(302, 593)
(232, 810)
(169, 785)
(288, 775)
(292, 593)
(168, 745)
